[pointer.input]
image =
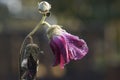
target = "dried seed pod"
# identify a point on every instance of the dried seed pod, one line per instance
(33, 49)
(28, 64)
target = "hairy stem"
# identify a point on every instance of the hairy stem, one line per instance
(47, 23)
(37, 27)
(29, 39)
(33, 31)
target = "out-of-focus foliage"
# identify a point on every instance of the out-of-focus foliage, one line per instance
(96, 21)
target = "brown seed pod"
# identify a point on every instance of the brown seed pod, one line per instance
(28, 64)
(33, 49)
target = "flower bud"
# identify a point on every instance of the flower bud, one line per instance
(44, 7)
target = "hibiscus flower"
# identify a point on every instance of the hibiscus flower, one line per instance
(65, 47)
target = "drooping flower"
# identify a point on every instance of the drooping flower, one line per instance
(65, 47)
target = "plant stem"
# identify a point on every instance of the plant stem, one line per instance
(37, 27)
(29, 37)
(47, 23)
(32, 32)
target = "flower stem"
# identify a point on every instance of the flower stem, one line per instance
(47, 23)
(33, 31)
(27, 39)
(37, 27)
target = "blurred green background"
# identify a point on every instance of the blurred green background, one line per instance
(96, 21)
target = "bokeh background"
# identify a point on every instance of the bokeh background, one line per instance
(96, 21)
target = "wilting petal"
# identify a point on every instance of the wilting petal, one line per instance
(59, 49)
(65, 46)
(77, 47)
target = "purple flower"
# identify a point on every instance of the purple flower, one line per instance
(66, 47)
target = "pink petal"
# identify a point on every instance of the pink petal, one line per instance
(67, 47)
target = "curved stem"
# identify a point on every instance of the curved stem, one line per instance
(29, 36)
(47, 23)
(37, 27)
(33, 31)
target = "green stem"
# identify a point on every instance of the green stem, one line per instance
(47, 23)
(37, 27)
(30, 35)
